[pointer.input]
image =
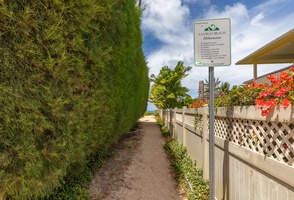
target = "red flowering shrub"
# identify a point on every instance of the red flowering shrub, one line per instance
(265, 96)
(197, 104)
(241, 96)
(280, 92)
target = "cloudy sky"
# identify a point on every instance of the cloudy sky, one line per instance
(168, 34)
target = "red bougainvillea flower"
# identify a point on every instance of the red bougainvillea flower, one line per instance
(265, 104)
(284, 75)
(270, 91)
(279, 93)
(272, 78)
(253, 84)
(270, 103)
(285, 89)
(263, 94)
(273, 102)
(282, 91)
(265, 112)
(260, 103)
(285, 103)
(197, 104)
(276, 85)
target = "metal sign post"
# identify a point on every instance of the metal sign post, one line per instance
(212, 47)
(211, 133)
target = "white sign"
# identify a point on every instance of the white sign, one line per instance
(212, 42)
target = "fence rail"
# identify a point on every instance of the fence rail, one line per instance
(254, 155)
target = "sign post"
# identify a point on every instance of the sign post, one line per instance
(212, 47)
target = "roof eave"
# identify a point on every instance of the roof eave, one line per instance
(254, 57)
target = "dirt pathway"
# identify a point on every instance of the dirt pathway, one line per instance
(139, 169)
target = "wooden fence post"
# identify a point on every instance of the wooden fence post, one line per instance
(174, 122)
(167, 118)
(184, 126)
(171, 121)
(205, 143)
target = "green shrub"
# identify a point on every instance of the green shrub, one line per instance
(240, 96)
(147, 113)
(185, 169)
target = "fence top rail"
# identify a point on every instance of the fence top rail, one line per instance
(192, 111)
(279, 114)
(200, 111)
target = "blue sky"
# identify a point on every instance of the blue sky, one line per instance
(167, 27)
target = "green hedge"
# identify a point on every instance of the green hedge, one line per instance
(73, 80)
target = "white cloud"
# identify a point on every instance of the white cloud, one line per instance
(204, 2)
(236, 13)
(251, 29)
(271, 6)
(165, 19)
(249, 33)
(169, 55)
(256, 21)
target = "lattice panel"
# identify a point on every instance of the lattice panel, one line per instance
(189, 119)
(198, 122)
(179, 117)
(274, 140)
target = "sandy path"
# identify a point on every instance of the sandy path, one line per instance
(140, 170)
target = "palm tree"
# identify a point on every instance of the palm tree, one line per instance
(167, 90)
(224, 89)
(216, 86)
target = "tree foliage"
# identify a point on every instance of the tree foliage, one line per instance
(73, 79)
(224, 88)
(217, 82)
(167, 90)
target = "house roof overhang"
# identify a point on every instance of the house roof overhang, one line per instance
(280, 50)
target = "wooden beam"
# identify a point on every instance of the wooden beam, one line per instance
(254, 71)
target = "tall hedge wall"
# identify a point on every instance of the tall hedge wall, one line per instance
(73, 78)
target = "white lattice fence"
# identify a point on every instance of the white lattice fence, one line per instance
(197, 121)
(272, 139)
(179, 117)
(258, 160)
(190, 119)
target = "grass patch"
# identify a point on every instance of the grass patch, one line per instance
(147, 113)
